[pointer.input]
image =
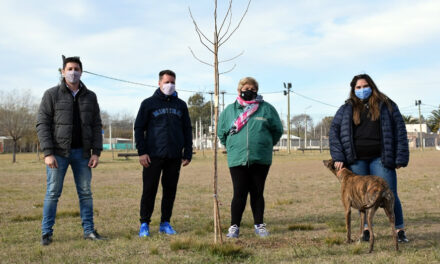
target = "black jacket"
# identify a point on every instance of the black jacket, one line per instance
(163, 127)
(55, 121)
(395, 151)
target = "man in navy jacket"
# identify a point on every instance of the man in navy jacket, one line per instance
(163, 136)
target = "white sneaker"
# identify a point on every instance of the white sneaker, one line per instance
(261, 230)
(233, 231)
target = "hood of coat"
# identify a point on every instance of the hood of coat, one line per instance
(159, 94)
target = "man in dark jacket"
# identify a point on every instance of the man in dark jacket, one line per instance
(162, 132)
(69, 129)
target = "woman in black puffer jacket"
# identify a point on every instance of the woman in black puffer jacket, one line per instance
(368, 136)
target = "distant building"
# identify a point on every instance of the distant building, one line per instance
(416, 128)
(413, 131)
(6, 144)
(118, 144)
(294, 142)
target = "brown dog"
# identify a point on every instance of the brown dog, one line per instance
(367, 194)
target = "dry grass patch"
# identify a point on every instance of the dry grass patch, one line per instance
(333, 240)
(304, 215)
(301, 227)
(226, 250)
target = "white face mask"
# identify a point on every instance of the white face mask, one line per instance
(168, 88)
(72, 76)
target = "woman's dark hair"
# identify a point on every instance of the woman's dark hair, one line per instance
(71, 59)
(374, 101)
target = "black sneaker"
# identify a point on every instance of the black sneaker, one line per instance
(366, 235)
(401, 237)
(94, 236)
(46, 239)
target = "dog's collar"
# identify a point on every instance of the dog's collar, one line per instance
(340, 171)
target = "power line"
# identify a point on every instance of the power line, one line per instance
(202, 92)
(431, 105)
(120, 80)
(137, 83)
(314, 100)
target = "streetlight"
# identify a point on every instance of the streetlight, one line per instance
(287, 88)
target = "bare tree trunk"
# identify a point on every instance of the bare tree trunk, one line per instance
(14, 150)
(217, 226)
(219, 39)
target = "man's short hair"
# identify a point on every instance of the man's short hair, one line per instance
(167, 72)
(74, 59)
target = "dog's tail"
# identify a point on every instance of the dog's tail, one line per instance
(388, 196)
(385, 195)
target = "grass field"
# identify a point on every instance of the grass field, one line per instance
(303, 213)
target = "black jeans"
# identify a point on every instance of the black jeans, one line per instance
(170, 169)
(248, 179)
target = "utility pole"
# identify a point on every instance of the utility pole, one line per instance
(287, 88)
(418, 103)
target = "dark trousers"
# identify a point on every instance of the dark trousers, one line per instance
(248, 179)
(170, 169)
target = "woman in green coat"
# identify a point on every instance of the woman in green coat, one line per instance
(249, 128)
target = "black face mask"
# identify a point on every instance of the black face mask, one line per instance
(248, 95)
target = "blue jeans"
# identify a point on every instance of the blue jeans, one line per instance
(375, 167)
(55, 178)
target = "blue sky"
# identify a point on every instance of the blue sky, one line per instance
(318, 46)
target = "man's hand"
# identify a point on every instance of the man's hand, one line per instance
(93, 162)
(185, 162)
(144, 160)
(51, 161)
(338, 165)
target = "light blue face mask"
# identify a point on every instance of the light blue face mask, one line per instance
(363, 93)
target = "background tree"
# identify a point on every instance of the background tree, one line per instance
(199, 110)
(409, 119)
(121, 124)
(298, 123)
(434, 120)
(222, 34)
(325, 123)
(17, 116)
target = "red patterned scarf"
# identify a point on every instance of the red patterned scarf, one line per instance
(250, 107)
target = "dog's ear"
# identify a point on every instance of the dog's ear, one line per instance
(329, 163)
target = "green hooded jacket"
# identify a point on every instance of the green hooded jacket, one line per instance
(254, 142)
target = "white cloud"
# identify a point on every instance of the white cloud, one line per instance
(318, 45)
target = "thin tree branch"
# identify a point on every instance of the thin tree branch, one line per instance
(194, 55)
(231, 69)
(199, 32)
(239, 23)
(203, 43)
(227, 29)
(226, 16)
(233, 58)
